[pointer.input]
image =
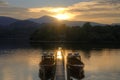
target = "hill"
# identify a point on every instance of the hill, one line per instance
(49, 19)
(44, 19)
(6, 21)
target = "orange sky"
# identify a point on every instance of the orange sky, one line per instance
(88, 10)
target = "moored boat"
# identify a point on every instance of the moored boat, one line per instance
(47, 67)
(74, 67)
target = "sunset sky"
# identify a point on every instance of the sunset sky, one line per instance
(102, 11)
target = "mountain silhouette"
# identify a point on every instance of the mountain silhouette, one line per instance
(5, 21)
(49, 19)
(24, 24)
(24, 27)
(19, 31)
(44, 19)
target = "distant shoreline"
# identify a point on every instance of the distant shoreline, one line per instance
(75, 45)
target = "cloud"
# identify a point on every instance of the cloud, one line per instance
(15, 12)
(2, 3)
(108, 1)
(103, 11)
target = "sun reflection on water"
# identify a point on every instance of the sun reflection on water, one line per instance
(24, 64)
(59, 54)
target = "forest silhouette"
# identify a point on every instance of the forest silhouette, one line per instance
(87, 34)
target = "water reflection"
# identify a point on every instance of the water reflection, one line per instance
(59, 54)
(19, 64)
(102, 64)
(23, 64)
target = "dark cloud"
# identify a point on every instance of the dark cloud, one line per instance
(108, 1)
(2, 3)
(99, 15)
(12, 9)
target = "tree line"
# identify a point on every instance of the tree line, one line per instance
(106, 34)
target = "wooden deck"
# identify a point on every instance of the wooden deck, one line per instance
(60, 71)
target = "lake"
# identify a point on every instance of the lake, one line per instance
(23, 64)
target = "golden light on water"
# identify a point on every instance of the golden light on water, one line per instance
(59, 54)
(99, 64)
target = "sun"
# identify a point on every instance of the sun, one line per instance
(61, 13)
(62, 16)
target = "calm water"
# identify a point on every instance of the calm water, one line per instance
(23, 64)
